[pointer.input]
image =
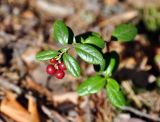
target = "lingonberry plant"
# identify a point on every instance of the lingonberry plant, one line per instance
(88, 47)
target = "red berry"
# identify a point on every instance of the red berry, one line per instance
(50, 69)
(59, 74)
(62, 66)
(53, 60)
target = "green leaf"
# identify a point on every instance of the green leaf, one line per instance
(64, 49)
(71, 64)
(103, 65)
(158, 81)
(100, 67)
(112, 62)
(115, 95)
(125, 32)
(46, 55)
(95, 41)
(111, 66)
(60, 33)
(113, 84)
(82, 40)
(91, 85)
(89, 54)
(96, 34)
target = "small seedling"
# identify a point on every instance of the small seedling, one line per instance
(88, 47)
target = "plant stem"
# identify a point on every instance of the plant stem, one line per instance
(107, 46)
(74, 40)
(60, 55)
(65, 49)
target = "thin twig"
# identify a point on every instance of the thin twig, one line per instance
(54, 9)
(7, 85)
(53, 114)
(131, 94)
(140, 113)
(119, 18)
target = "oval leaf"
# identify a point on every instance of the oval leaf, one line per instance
(115, 95)
(91, 85)
(89, 54)
(60, 32)
(96, 34)
(112, 59)
(46, 55)
(95, 41)
(103, 65)
(100, 67)
(110, 67)
(125, 32)
(71, 64)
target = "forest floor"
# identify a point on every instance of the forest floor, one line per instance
(27, 91)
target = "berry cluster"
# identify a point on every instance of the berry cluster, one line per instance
(56, 68)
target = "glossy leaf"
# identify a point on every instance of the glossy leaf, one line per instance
(112, 61)
(100, 67)
(46, 55)
(96, 34)
(94, 40)
(115, 95)
(91, 85)
(63, 49)
(71, 64)
(89, 53)
(103, 65)
(60, 33)
(109, 64)
(125, 32)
